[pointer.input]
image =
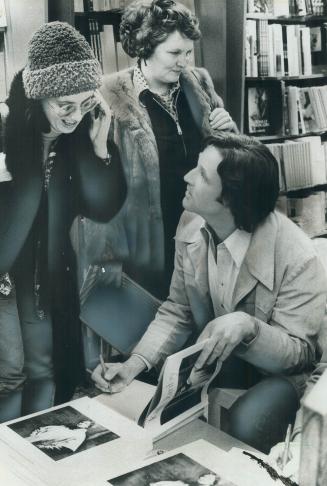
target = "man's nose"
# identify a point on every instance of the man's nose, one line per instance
(188, 176)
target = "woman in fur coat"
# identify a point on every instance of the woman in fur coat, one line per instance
(163, 108)
(62, 165)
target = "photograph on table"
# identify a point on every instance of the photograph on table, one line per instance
(62, 432)
(178, 470)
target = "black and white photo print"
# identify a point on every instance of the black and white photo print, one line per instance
(62, 432)
(178, 470)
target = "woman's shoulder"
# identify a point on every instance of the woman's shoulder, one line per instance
(116, 81)
(200, 73)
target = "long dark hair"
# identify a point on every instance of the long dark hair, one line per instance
(25, 124)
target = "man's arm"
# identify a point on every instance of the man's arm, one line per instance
(173, 323)
(286, 344)
(168, 333)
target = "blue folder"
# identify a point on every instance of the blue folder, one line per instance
(119, 315)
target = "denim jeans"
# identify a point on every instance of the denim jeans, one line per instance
(26, 367)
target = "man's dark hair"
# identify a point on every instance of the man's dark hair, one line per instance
(250, 178)
(146, 24)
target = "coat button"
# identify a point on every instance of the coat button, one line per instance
(67, 269)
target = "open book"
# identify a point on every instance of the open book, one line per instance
(180, 396)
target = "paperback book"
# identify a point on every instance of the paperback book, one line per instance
(180, 396)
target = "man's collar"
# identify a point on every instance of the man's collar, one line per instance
(237, 243)
(260, 256)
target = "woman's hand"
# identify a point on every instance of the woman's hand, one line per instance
(100, 124)
(220, 119)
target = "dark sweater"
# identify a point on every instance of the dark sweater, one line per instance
(178, 154)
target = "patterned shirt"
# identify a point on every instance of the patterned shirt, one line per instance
(167, 101)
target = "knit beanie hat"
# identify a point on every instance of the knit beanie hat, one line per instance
(60, 62)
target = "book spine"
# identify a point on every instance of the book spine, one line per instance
(285, 51)
(263, 50)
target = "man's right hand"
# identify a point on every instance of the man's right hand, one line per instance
(291, 469)
(118, 375)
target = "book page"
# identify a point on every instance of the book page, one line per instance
(182, 392)
(131, 401)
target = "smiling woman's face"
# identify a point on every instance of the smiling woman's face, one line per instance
(170, 58)
(66, 112)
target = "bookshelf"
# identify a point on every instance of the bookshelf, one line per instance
(285, 100)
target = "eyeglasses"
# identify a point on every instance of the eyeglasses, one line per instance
(66, 110)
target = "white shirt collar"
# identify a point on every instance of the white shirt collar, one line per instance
(236, 243)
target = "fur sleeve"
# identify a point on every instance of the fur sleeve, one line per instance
(206, 84)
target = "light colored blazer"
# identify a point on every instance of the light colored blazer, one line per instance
(281, 282)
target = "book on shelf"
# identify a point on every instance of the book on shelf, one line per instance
(3, 70)
(301, 117)
(78, 6)
(268, 7)
(302, 163)
(58, 445)
(318, 7)
(279, 8)
(276, 150)
(309, 212)
(95, 39)
(180, 396)
(263, 47)
(109, 53)
(277, 50)
(251, 48)
(259, 102)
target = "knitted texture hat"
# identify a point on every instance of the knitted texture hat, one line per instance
(60, 62)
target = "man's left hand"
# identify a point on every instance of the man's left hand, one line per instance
(224, 334)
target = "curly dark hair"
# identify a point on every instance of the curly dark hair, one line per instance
(146, 24)
(250, 178)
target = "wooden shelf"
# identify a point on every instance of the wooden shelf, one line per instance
(304, 191)
(289, 19)
(275, 138)
(285, 78)
(107, 17)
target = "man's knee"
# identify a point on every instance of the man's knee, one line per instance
(260, 417)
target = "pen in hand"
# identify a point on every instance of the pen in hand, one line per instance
(104, 369)
(285, 456)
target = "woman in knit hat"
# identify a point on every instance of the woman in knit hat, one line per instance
(62, 164)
